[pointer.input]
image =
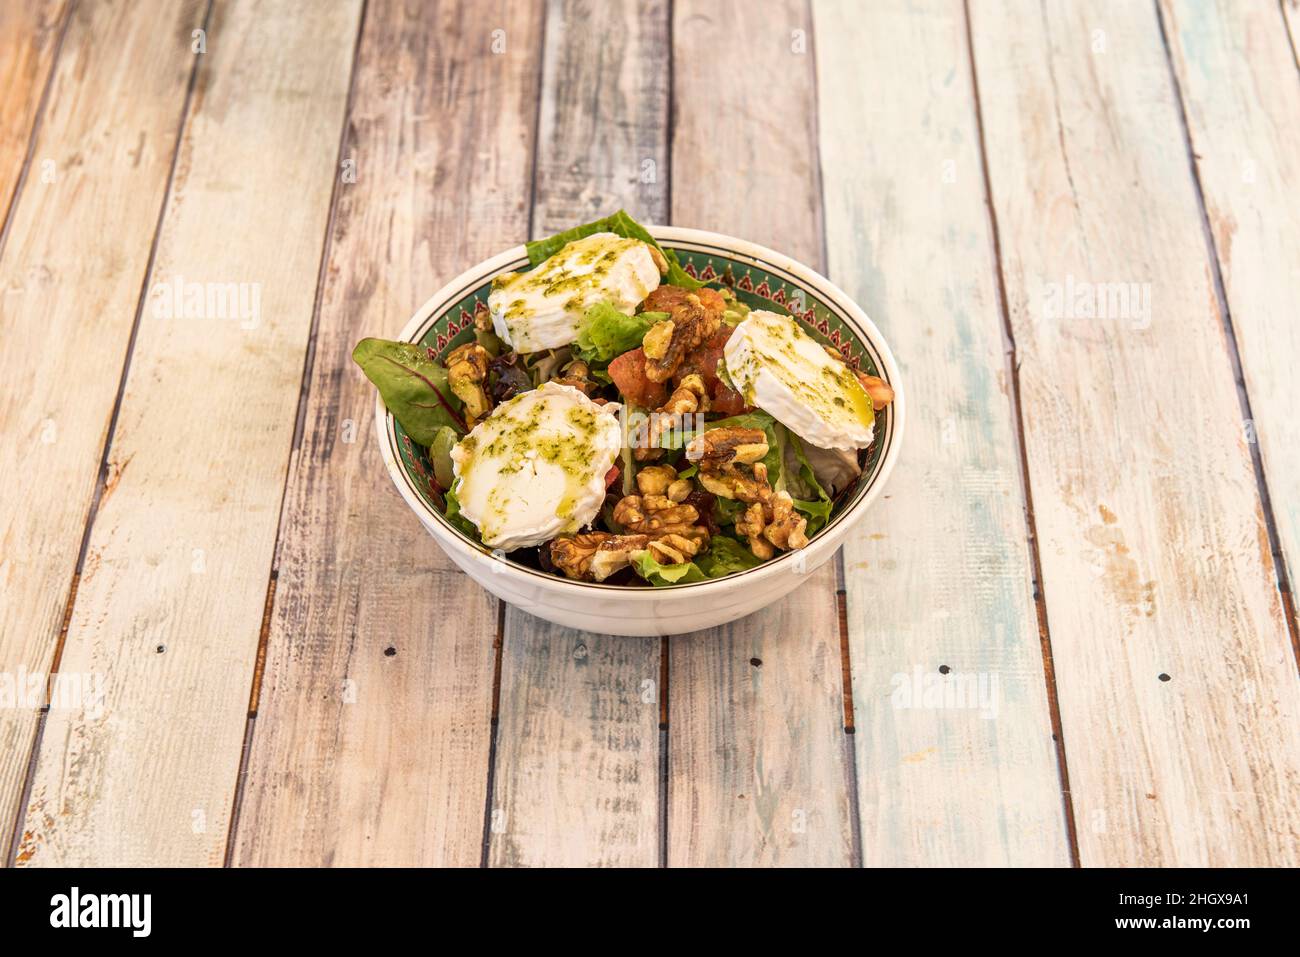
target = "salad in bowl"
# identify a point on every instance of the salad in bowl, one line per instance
(608, 412)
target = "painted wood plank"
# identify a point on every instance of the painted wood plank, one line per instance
(171, 596)
(604, 112)
(1178, 693)
(361, 756)
(757, 772)
(1241, 95)
(72, 270)
(577, 758)
(29, 34)
(939, 576)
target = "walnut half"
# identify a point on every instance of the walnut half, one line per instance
(595, 556)
(467, 368)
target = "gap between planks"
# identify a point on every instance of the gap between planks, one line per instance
(101, 481)
(1230, 335)
(1031, 531)
(841, 572)
(308, 364)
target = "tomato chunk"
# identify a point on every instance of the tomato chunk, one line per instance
(628, 373)
(703, 360)
(727, 400)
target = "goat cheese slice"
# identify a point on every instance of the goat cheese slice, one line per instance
(535, 468)
(787, 373)
(543, 308)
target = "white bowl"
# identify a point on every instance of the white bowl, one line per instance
(674, 609)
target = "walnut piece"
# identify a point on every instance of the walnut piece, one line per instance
(770, 522)
(689, 397)
(577, 374)
(734, 484)
(594, 556)
(467, 368)
(718, 449)
(693, 316)
(663, 480)
(773, 524)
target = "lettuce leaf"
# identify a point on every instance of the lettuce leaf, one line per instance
(607, 333)
(656, 574)
(724, 556)
(798, 478)
(620, 224)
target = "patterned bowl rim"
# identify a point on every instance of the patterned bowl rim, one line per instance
(686, 240)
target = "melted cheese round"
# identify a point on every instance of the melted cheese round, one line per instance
(543, 308)
(785, 372)
(535, 467)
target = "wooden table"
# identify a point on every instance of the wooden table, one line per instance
(1064, 636)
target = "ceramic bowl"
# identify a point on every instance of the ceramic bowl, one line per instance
(765, 279)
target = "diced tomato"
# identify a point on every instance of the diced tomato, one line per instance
(628, 373)
(704, 358)
(611, 476)
(726, 400)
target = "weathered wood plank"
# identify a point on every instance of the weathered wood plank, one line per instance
(1178, 693)
(757, 769)
(72, 269)
(171, 596)
(360, 756)
(1238, 79)
(29, 35)
(604, 112)
(940, 574)
(577, 760)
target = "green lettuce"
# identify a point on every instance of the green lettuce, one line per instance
(797, 478)
(620, 224)
(724, 556)
(656, 574)
(606, 332)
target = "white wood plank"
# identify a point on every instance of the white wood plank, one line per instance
(171, 597)
(361, 757)
(757, 770)
(1155, 556)
(72, 270)
(577, 758)
(939, 575)
(1241, 95)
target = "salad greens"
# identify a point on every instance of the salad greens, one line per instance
(606, 332)
(413, 385)
(723, 557)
